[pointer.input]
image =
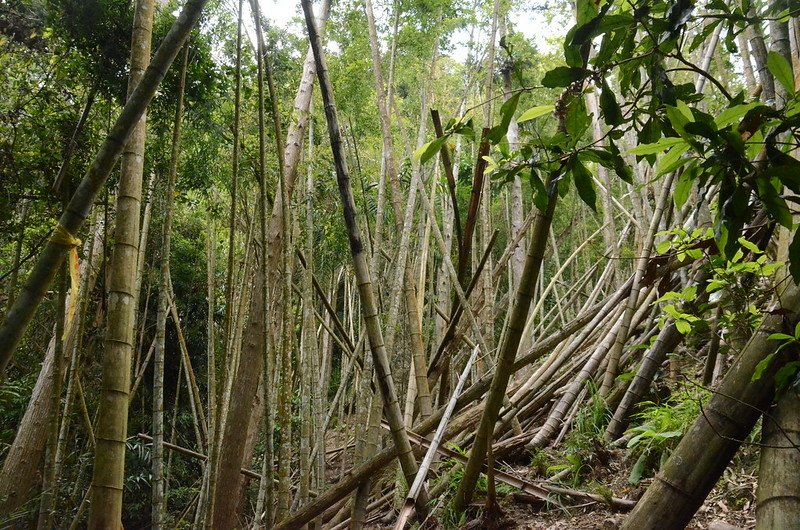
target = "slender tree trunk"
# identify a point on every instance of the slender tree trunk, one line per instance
(245, 382)
(50, 478)
(24, 209)
(159, 503)
(644, 257)
(410, 296)
(109, 459)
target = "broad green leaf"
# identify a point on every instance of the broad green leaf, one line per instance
(678, 120)
(562, 76)
(583, 182)
(672, 160)
(733, 114)
(657, 147)
(786, 375)
(610, 107)
(780, 336)
(638, 470)
(749, 245)
(535, 112)
(683, 187)
(429, 150)
(506, 115)
(685, 110)
(782, 70)
(577, 118)
(794, 257)
(539, 191)
(683, 327)
(762, 366)
(774, 203)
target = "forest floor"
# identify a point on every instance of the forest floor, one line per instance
(730, 506)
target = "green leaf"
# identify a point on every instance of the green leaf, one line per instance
(780, 336)
(733, 114)
(506, 115)
(782, 70)
(539, 191)
(638, 470)
(577, 118)
(610, 107)
(583, 182)
(535, 112)
(683, 327)
(683, 187)
(429, 150)
(786, 375)
(562, 76)
(762, 366)
(774, 203)
(657, 147)
(672, 160)
(749, 245)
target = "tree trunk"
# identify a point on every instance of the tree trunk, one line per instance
(778, 497)
(245, 382)
(508, 351)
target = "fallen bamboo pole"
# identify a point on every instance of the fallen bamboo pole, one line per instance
(193, 454)
(433, 447)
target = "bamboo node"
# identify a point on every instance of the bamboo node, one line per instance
(61, 236)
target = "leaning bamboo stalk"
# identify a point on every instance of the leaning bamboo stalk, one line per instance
(641, 266)
(20, 315)
(668, 339)
(507, 354)
(552, 281)
(191, 380)
(366, 294)
(570, 395)
(678, 490)
(349, 482)
(419, 481)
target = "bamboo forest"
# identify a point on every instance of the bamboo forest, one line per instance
(400, 264)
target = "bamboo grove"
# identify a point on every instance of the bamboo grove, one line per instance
(398, 264)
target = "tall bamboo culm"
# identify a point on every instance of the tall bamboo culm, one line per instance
(109, 456)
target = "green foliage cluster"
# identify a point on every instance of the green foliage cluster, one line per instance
(659, 427)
